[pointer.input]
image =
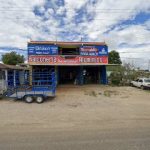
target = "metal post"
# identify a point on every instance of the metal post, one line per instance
(99, 75)
(81, 78)
(14, 76)
(30, 75)
(6, 77)
(103, 75)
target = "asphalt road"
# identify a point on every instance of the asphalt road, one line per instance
(77, 139)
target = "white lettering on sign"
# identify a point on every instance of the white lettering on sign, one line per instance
(90, 60)
(88, 49)
(42, 59)
(42, 48)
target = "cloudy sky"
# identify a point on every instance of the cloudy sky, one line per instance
(123, 24)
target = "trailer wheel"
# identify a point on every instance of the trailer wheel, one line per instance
(28, 99)
(39, 99)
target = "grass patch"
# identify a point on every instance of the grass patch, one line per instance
(109, 93)
(91, 93)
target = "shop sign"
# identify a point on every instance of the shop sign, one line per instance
(42, 49)
(60, 60)
(94, 50)
(93, 60)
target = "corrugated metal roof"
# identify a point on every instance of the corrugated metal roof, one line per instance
(2, 66)
(13, 67)
(67, 43)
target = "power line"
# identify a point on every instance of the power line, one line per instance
(136, 52)
(135, 58)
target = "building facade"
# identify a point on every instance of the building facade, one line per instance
(73, 62)
(11, 76)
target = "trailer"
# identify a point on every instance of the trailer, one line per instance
(36, 87)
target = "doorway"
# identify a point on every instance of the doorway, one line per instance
(91, 74)
(68, 74)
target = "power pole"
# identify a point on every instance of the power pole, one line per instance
(149, 64)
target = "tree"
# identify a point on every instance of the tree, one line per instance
(114, 58)
(12, 58)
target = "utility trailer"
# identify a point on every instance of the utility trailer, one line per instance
(43, 86)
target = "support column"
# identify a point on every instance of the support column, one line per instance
(6, 77)
(57, 75)
(103, 75)
(30, 75)
(81, 77)
(99, 75)
(14, 77)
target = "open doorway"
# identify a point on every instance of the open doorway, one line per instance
(68, 74)
(91, 75)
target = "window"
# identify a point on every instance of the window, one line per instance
(140, 80)
(69, 51)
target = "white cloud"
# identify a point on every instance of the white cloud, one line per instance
(19, 22)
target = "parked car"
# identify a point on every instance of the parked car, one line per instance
(143, 83)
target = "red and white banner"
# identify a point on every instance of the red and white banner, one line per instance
(67, 60)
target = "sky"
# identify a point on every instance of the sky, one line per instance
(123, 24)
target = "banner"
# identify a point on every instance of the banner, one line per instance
(42, 49)
(67, 60)
(94, 50)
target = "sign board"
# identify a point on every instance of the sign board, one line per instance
(42, 49)
(60, 60)
(94, 50)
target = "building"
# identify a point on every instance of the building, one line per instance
(74, 62)
(12, 76)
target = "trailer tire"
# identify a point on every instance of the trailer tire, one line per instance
(28, 99)
(39, 99)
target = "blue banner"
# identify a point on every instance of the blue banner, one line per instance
(94, 50)
(42, 49)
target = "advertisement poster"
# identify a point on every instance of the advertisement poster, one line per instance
(60, 60)
(42, 49)
(94, 50)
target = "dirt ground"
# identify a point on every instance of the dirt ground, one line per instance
(91, 107)
(79, 105)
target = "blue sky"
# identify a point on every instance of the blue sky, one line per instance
(124, 25)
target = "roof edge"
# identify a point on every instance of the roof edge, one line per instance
(67, 43)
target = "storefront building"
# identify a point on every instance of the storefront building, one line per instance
(73, 62)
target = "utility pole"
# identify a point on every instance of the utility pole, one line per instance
(149, 64)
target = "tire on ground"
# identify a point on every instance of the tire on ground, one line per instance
(28, 99)
(142, 87)
(39, 99)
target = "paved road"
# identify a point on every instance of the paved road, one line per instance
(77, 139)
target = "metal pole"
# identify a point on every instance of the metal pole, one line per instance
(149, 65)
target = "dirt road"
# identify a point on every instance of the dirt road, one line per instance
(86, 117)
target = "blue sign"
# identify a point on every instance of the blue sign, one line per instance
(94, 50)
(42, 49)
